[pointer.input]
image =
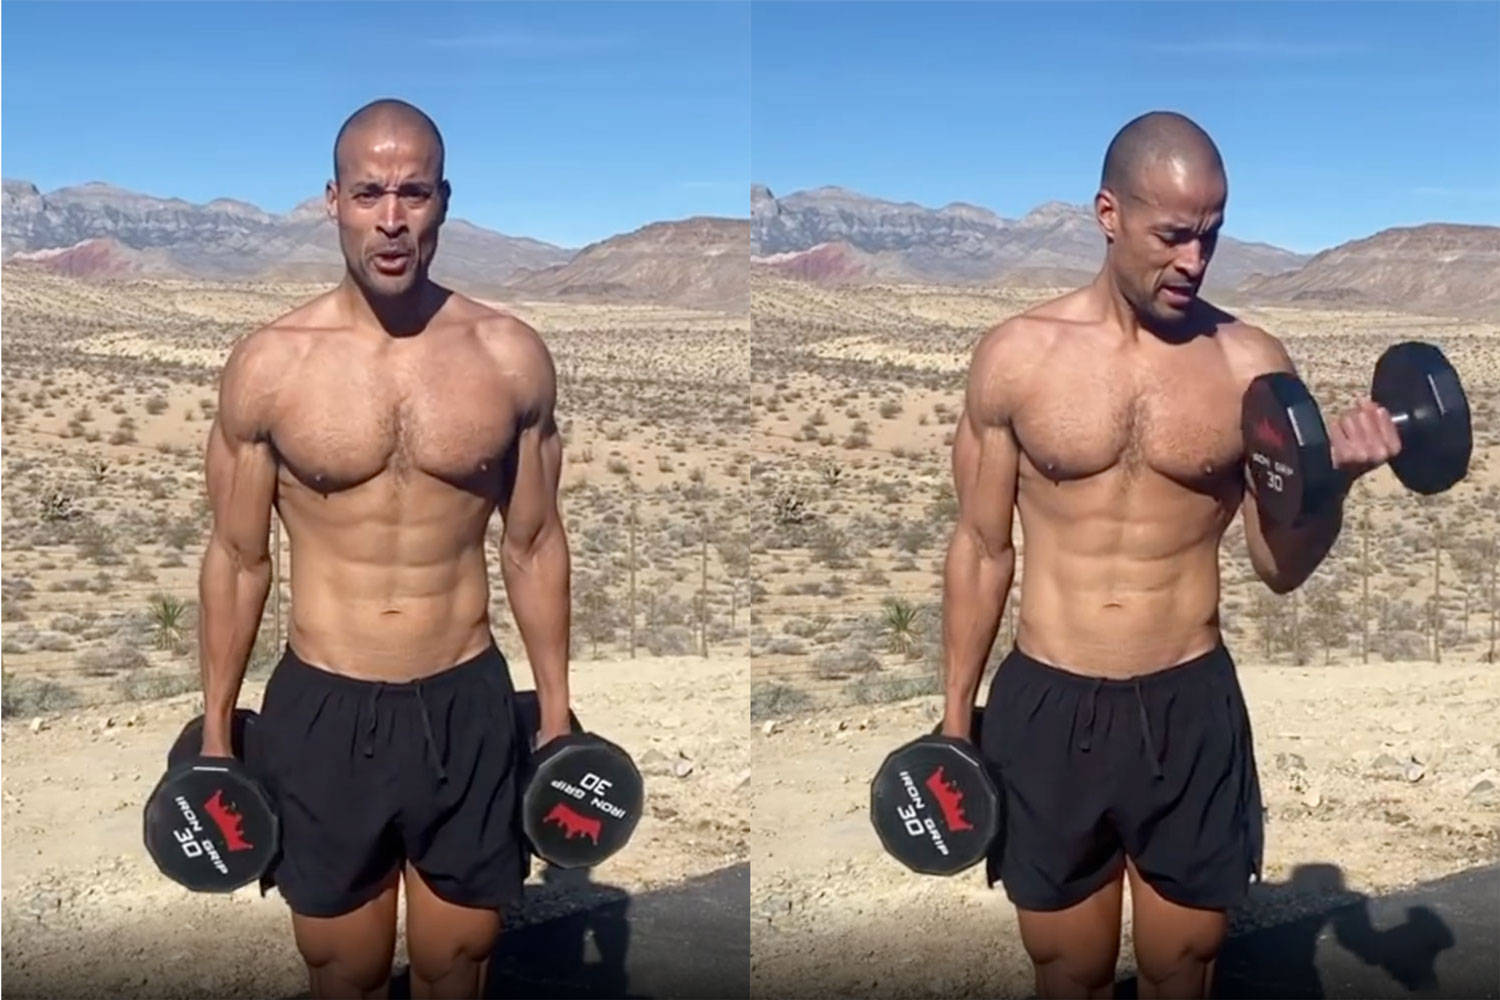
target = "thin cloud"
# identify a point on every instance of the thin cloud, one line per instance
(1261, 48)
(536, 44)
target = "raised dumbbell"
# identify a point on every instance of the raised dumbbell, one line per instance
(583, 794)
(209, 824)
(934, 805)
(1286, 444)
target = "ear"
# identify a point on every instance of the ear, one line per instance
(1107, 213)
(447, 190)
(331, 199)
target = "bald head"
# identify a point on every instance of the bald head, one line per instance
(1155, 139)
(387, 116)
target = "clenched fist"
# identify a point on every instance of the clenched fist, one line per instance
(1363, 438)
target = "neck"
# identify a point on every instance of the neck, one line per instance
(1117, 308)
(405, 316)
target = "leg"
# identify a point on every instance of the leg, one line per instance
(449, 945)
(1175, 945)
(350, 955)
(1074, 949)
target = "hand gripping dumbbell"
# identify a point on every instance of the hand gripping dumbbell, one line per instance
(1286, 443)
(934, 805)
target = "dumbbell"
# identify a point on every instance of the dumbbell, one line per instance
(209, 824)
(934, 805)
(583, 794)
(1286, 443)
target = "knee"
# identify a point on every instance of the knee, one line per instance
(1078, 967)
(363, 971)
(444, 960)
(1185, 961)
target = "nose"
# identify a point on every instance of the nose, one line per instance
(392, 216)
(1192, 260)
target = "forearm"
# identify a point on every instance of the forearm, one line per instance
(1284, 556)
(536, 582)
(231, 596)
(976, 581)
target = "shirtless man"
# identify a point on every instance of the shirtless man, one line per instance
(384, 421)
(1110, 418)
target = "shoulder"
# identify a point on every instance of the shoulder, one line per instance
(517, 350)
(1005, 360)
(259, 363)
(1249, 350)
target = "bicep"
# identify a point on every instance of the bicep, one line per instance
(986, 463)
(241, 491)
(529, 500)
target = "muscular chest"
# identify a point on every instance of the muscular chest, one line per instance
(341, 421)
(1176, 416)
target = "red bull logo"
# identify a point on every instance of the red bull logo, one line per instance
(229, 822)
(572, 823)
(949, 800)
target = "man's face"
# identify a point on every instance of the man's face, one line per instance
(389, 200)
(1162, 234)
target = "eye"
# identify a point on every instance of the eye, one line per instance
(366, 196)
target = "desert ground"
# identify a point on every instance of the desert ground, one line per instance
(1375, 706)
(108, 393)
(86, 913)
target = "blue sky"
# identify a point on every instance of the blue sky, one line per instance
(1335, 120)
(566, 122)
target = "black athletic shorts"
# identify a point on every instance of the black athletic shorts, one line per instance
(1158, 767)
(366, 775)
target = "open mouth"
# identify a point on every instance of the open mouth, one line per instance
(392, 262)
(1177, 295)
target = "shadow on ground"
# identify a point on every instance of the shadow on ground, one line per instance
(1439, 939)
(689, 940)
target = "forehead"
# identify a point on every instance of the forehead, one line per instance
(386, 149)
(1174, 188)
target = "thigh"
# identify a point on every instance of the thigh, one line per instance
(1074, 949)
(1175, 945)
(448, 943)
(351, 952)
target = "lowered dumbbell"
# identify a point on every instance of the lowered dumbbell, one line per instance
(209, 824)
(1286, 443)
(934, 805)
(583, 794)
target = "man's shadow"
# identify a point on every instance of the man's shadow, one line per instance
(551, 956)
(1281, 960)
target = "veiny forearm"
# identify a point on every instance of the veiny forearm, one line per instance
(536, 582)
(232, 590)
(976, 580)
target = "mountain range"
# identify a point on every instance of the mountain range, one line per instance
(98, 230)
(832, 234)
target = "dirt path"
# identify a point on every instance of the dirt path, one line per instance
(1390, 772)
(87, 914)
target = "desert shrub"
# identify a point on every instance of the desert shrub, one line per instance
(117, 659)
(771, 700)
(871, 690)
(836, 664)
(33, 696)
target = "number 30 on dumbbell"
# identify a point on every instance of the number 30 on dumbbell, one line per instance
(1287, 449)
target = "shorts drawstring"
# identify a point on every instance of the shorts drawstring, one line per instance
(1151, 751)
(1087, 741)
(437, 760)
(433, 756)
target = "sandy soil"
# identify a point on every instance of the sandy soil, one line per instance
(1389, 771)
(87, 914)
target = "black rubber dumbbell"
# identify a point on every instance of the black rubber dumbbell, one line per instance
(934, 804)
(1286, 443)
